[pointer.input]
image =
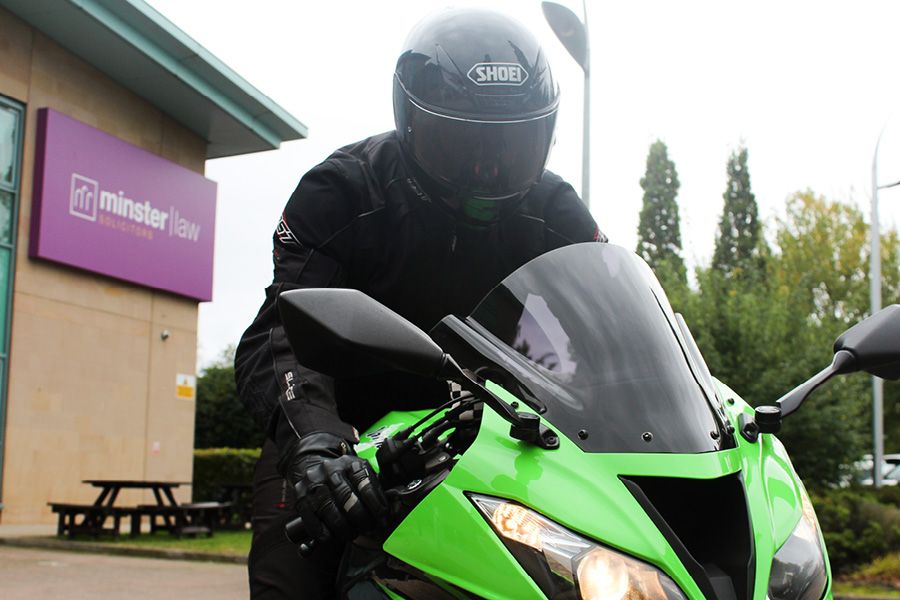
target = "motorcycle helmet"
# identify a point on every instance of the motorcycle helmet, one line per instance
(475, 111)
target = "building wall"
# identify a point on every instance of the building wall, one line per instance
(92, 383)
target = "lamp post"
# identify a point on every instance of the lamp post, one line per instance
(574, 36)
(875, 301)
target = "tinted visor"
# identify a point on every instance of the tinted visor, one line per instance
(488, 159)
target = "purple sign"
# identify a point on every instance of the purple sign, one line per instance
(106, 206)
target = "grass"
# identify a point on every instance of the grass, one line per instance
(852, 589)
(880, 578)
(226, 543)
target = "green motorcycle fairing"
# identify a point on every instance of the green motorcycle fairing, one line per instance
(586, 333)
(448, 539)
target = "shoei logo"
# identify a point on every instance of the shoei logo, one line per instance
(498, 74)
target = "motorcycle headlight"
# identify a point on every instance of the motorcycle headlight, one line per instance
(561, 561)
(798, 568)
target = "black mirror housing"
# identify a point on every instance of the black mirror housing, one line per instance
(345, 333)
(874, 344)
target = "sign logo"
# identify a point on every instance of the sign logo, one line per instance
(498, 74)
(83, 197)
(118, 211)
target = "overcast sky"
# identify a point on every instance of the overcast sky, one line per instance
(806, 85)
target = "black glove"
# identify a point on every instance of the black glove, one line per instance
(338, 493)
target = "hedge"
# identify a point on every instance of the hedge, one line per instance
(859, 524)
(216, 466)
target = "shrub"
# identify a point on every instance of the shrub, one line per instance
(214, 467)
(222, 421)
(884, 571)
(856, 526)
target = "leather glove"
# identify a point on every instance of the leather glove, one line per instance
(338, 493)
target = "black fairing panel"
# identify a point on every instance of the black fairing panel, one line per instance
(707, 523)
(365, 569)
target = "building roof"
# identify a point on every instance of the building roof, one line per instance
(147, 54)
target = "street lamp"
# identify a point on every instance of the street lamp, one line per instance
(875, 301)
(574, 36)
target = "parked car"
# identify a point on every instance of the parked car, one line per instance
(863, 475)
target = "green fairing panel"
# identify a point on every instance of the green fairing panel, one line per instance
(774, 492)
(446, 537)
(391, 423)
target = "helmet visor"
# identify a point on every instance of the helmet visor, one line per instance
(485, 159)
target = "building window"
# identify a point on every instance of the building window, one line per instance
(11, 126)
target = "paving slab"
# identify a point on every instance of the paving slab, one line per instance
(30, 573)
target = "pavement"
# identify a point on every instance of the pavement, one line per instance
(29, 573)
(33, 564)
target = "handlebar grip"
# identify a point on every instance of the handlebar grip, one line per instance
(295, 531)
(297, 534)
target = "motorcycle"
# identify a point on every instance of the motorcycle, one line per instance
(586, 451)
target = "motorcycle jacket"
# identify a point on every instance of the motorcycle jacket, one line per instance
(360, 220)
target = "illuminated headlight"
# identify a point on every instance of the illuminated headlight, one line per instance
(798, 568)
(560, 561)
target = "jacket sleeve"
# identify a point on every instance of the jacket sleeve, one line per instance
(568, 219)
(310, 250)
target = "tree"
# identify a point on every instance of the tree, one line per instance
(222, 421)
(659, 230)
(737, 250)
(764, 337)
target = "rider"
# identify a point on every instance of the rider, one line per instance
(426, 219)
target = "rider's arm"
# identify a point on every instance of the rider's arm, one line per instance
(310, 250)
(567, 218)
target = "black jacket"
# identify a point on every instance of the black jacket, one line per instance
(359, 220)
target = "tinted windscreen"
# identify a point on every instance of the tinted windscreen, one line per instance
(593, 330)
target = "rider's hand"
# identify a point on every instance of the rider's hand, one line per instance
(338, 493)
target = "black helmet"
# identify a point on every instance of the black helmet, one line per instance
(475, 110)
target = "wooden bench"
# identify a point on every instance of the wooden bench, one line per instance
(187, 519)
(92, 519)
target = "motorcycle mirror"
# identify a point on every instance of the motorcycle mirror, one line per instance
(875, 343)
(345, 333)
(872, 345)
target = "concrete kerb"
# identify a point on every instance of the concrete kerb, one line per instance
(49, 543)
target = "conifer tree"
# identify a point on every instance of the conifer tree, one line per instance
(738, 241)
(659, 230)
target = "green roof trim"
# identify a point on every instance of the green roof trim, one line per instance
(143, 51)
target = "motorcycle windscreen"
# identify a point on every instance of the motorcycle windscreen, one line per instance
(594, 338)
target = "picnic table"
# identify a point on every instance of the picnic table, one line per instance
(166, 513)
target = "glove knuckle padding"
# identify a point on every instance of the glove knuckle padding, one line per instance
(345, 497)
(311, 522)
(337, 494)
(366, 483)
(322, 502)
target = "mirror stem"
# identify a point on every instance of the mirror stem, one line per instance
(525, 426)
(452, 371)
(843, 362)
